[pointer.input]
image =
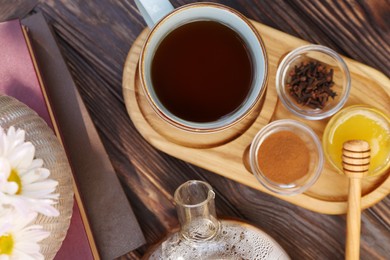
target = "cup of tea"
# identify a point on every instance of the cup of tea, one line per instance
(203, 67)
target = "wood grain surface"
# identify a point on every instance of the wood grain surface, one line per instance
(95, 37)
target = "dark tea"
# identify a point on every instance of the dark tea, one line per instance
(202, 71)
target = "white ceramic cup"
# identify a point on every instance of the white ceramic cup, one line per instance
(162, 18)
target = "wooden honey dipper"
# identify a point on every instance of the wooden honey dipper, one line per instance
(356, 160)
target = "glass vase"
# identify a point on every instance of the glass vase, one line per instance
(203, 236)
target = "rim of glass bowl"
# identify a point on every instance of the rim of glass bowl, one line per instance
(273, 127)
(302, 112)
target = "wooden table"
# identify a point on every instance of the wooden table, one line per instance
(95, 37)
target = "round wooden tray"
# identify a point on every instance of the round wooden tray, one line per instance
(329, 194)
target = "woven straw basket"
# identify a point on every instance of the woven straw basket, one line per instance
(49, 149)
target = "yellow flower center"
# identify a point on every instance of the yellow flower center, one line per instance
(15, 178)
(6, 244)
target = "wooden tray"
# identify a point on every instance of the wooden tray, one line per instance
(329, 194)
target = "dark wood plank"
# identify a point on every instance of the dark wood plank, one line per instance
(16, 8)
(95, 37)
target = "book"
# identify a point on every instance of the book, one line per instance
(19, 79)
(35, 73)
(114, 227)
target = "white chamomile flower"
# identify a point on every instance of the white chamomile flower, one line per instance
(24, 183)
(19, 239)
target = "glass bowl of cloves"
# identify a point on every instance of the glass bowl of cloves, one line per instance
(313, 82)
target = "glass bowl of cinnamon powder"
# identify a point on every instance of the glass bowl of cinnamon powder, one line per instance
(286, 157)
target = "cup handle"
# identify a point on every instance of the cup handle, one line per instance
(153, 10)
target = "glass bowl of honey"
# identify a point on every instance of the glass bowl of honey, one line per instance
(286, 157)
(313, 82)
(359, 122)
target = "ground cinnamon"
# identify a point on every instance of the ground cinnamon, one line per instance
(283, 157)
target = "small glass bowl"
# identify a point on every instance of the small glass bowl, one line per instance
(308, 136)
(376, 132)
(328, 58)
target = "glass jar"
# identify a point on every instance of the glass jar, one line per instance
(203, 236)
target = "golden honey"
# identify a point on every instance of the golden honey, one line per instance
(360, 123)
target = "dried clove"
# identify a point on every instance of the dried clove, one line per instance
(311, 83)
